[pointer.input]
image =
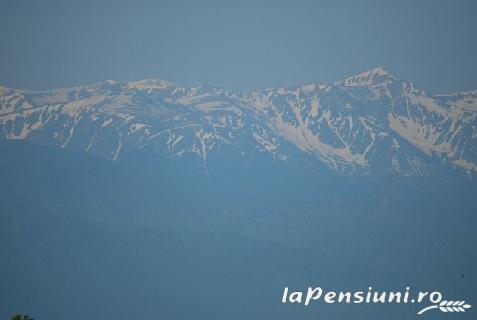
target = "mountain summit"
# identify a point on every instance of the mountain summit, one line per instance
(368, 78)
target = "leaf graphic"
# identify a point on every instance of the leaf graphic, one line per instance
(453, 306)
(448, 306)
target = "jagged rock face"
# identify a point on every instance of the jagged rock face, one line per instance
(369, 123)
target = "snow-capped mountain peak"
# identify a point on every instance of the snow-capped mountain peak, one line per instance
(150, 84)
(368, 78)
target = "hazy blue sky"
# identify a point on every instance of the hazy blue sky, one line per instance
(236, 44)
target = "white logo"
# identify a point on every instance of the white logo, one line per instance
(315, 294)
(448, 306)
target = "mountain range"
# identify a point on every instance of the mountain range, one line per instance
(369, 123)
(148, 199)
